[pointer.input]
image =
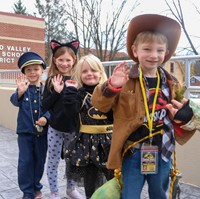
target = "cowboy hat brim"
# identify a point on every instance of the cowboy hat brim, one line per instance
(156, 23)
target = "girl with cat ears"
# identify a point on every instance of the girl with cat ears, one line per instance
(62, 126)
(58, 50)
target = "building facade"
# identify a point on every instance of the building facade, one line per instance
(20, 34)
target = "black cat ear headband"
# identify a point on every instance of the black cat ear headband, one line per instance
(55, 45)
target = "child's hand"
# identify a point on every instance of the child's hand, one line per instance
(72, 83)
(120, 75)
(58, 83)
(41, 121)
(175, 106)
(22, 85)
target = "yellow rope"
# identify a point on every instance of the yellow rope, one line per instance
(117, 174)
(141, 140)
(173, 176)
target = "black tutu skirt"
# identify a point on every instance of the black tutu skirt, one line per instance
(87, 151)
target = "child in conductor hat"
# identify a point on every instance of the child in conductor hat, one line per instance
(31, 125)
(138, 97)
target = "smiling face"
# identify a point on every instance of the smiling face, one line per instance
(89, 76)
(64, 63)
(150, 55)
(150, 49)
(33, 73)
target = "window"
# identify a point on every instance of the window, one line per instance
(192, 81)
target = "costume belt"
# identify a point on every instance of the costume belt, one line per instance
(96, 129)
(138, 144)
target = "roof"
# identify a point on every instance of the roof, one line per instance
(196, 77)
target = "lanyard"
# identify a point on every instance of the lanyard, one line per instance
(149, 119)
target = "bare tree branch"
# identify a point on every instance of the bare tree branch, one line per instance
(177, 12)
(97, 29)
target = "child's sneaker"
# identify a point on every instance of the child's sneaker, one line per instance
(74, 194)
(38, 195)
(55, 196)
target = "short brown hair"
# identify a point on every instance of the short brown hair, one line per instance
(149, 36)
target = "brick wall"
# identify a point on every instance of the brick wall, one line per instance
(19, 34)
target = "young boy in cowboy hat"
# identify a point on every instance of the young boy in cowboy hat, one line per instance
(138, 97)
(31, 125)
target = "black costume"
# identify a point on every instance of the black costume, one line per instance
(88, 152)
(53, 102)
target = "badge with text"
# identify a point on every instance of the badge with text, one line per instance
(149, 159)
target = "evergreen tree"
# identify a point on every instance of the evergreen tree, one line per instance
(19, 8)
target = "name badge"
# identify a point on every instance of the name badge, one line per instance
(149, 159)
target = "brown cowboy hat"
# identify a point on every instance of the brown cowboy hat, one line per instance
(156, 23)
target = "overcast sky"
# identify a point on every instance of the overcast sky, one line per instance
(191, 17)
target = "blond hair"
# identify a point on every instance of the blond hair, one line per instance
(94, 63)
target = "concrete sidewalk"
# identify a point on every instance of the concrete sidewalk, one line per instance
(8, 169)
(8, 173)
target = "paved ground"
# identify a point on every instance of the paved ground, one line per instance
(8, 173)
